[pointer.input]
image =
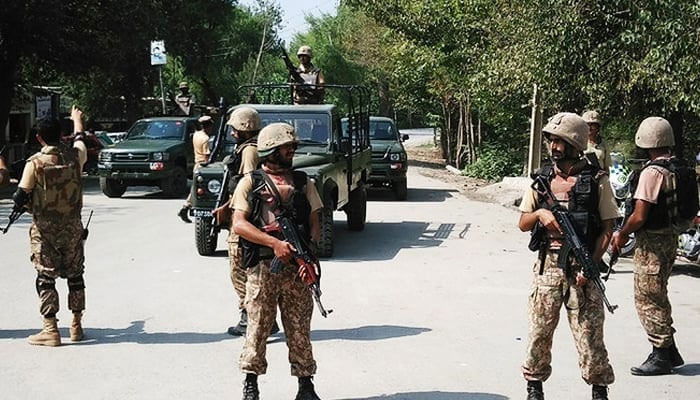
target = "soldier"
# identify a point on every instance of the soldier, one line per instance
(185, 100)
(596, 144)
(4, 173)
(258, 199)
(311, 76)
(656, 245)
(51, 189)
(200, 143)
(558, 279)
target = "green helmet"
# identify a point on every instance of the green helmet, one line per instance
(654, 133)
(569, 127)
(244, 119)
(183, 85)
(273, 136)
(591, 117)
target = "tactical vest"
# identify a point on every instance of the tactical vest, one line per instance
(676, 204)
(58, 193)
(298, 210)
(235, 163)
(308, 95)
(583, 201)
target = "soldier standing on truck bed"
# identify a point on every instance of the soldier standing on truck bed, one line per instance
(51, 189)
(184, 100)
(558, 279)
(312, 76)
(200, 143)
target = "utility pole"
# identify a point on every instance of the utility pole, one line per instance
(535, 152)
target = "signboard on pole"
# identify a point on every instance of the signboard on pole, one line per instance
(43, 107)
(158, 56)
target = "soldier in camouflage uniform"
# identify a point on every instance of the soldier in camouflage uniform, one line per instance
(312, 76)
(596, 143)
(559, 281)
(184, 101)
(256, 204)
(656, 248)
(51, 190)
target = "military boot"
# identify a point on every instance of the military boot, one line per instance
(240, 329)
(250, 387)
(600, 392)
(534, 390)
(676, 359)
(48, 336)
(306, 389)
(183, 214)
(658, 363)
(76, 327)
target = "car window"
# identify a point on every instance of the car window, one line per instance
(381, 130)
(156, 130)
(311, 128)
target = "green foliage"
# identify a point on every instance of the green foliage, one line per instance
(495, 161)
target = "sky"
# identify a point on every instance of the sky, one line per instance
(294, 12)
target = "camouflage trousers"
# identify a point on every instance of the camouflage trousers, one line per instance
(264, 292)
(57, 252)
(653, 262)
(584, 309)
(238, 274)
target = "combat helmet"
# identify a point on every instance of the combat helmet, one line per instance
(654, 133)
(305, 50)
(591, 117)
(273, 136)
(183, 85)
(244, 119)
(569, 127)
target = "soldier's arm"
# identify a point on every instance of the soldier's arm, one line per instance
(638, 217)
(315, 225)
(242, 227)
(321, 79)
(601, 245)
(528, 220)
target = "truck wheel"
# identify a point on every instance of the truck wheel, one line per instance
(176, 184)
(112, 187)
(206, 244)
(325, 245)
(357, 209)
(400, 189)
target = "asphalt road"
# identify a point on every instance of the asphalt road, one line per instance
(430, 304)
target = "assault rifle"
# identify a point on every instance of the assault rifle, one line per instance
(14, 216)
(223, 195)
(309, 266)
(291, 68)
(220, 134)
(572, 238)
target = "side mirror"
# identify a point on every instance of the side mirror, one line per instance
(404, 138)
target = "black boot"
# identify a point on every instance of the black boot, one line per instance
(183, 214)
(534, 390)
(676, 359)
(600, 392)
(239, 330)
(306, 389)
(250, 387)
(658, 363)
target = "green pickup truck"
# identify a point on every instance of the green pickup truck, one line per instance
(155, 152)
(338, 162)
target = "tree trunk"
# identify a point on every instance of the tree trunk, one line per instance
(459, 148)
(384, 97)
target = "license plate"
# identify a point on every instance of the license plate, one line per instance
(201, 213)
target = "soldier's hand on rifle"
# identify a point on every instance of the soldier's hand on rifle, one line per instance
(307, 275)
(284, 251)
(547, 220)
(222, 213)
(581, 279)
(618, 241)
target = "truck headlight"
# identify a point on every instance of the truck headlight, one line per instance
(395, 156)
(105, 156)
(160, 156)
(214, 186)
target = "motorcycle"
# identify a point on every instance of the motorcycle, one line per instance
(620, 173)
(689, 242)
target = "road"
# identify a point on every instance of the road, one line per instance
(430, 304)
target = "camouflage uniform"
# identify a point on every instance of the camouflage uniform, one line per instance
(56, 232)
(653, 262)
(584, 309)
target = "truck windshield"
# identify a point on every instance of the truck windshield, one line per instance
(310, 128)
(380, 130)
(156, 130)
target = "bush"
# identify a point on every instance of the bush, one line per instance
(496, 160)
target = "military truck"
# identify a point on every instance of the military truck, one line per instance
(389, 160)
(337, 161)
(155, 152)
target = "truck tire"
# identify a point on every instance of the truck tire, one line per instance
(112, 187)
(175, 185)
(356, 210)
(206, 244)
(325, 244)
(400, 189)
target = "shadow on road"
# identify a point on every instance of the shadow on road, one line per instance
(689, 370)
(692, 270)
(134, 333)
(435, 396)
(367, 333)
(414, 195)
(383, 240)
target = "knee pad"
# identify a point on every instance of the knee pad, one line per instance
(44, 282)
(76, 283)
